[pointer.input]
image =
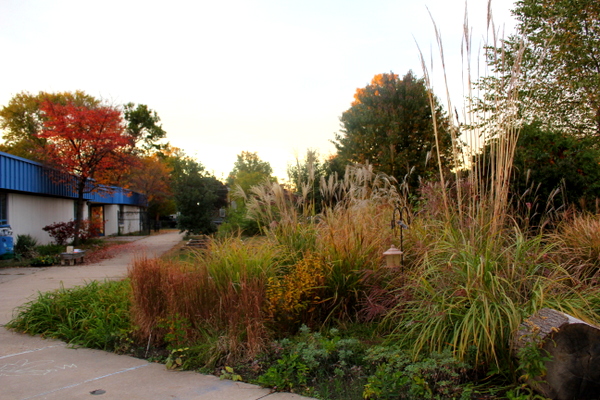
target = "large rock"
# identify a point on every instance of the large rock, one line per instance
(573, 371)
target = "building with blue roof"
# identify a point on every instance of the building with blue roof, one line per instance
(31, 197)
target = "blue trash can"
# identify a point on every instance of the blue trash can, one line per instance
(7, 248)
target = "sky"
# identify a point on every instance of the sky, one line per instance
(265, 76)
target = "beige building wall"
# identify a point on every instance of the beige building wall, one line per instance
(27, 215)
(131, 223)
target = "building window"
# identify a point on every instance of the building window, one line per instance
(3, 208)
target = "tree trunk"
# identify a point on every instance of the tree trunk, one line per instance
(574, 348)
(79, 214)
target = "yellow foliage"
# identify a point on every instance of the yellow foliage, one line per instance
(296, 291)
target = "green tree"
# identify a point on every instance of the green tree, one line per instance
(198, 196)
(548, 160)
(553, 63)
(22, 120)
(390, 126)
(249, 170)
(551, 169)
(143, 124)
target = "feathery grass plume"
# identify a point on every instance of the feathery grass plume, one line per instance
(270, 203)
(487, 196)
(283, 217)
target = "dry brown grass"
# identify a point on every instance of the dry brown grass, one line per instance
(175, 303)
(578, 246)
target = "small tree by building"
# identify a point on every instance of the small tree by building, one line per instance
(86, 142)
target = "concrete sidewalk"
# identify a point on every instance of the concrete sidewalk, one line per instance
(35, 368)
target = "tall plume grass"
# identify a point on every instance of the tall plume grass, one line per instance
(473, 276)
(481, 187)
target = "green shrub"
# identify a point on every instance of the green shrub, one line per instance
(25, 245)
(203, 355)
(49, 249)
(236, 221)
(95, 315)
(43, 261)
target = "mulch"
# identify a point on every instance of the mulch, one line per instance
(107, 251)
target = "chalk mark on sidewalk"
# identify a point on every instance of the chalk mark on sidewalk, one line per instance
(32, 368)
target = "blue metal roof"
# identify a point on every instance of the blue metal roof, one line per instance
(23, 175)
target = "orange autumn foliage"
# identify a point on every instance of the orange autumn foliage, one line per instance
(87, 142)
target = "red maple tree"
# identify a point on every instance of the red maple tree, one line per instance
(88, 143)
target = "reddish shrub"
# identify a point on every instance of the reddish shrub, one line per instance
(64, 232)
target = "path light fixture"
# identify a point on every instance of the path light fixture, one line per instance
(394, 257)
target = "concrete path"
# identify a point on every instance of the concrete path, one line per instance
(35, 368)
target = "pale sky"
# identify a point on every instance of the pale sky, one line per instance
(266, 76)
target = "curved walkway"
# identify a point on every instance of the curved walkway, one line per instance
(36, 368)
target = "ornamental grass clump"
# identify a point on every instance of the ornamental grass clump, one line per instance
(578, 246)
(474, 275)
(352, 239)
(470, 297)
(95, 315)
(220, 292)
(349, 235)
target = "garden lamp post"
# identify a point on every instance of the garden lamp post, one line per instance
(395, 257)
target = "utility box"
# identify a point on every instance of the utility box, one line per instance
(7, 246)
